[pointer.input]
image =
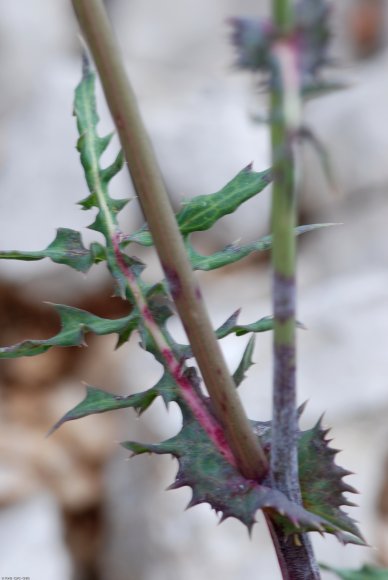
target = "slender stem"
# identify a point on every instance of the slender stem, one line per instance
(296, 557)
(282, 13)
(149, 186)
(195, 403)
(284, 460)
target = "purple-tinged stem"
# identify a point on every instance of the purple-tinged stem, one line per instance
(295, 554)
(197, 406)
(249, 455)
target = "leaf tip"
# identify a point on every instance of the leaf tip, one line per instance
(54, 428)
(248, 168)
(86, 62)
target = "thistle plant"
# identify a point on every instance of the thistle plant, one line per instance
(235, 464)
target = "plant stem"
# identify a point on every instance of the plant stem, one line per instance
(282, 14)
(296, 559)
(295, 555)
(175, 367)
(284, 462)
(185, 291)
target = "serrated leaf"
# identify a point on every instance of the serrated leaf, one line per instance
(91, 146)
(213, 480)
(211, 477)
(322, 481)
(229, 255)
(202, 212)
(217, 482)
(233, 252)
(231, 326)
(99, 401)
(67, 248)
(245, 363)
(367, 572)
(75, 324)
(96, 401)
(252, 39)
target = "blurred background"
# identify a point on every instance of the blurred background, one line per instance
(71, 506)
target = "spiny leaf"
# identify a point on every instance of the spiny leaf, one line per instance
(201, 212)
(75, 323)
(252, 39)
(321, 480)
(229, 255)
(215, 481)
(233, 253)
(245, 363)
(367, 572)
(96, 401)
(99, 401)
(91, 146)
(230, 326)
(67, 248)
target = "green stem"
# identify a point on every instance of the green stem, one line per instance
(149, 186)
(284, 462)
(282, 13)
(296, 559)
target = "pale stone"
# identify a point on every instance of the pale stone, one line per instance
(31, 540)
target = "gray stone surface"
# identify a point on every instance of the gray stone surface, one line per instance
(31, 540)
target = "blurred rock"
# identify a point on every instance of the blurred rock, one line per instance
(35, 525)
(36, 392)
